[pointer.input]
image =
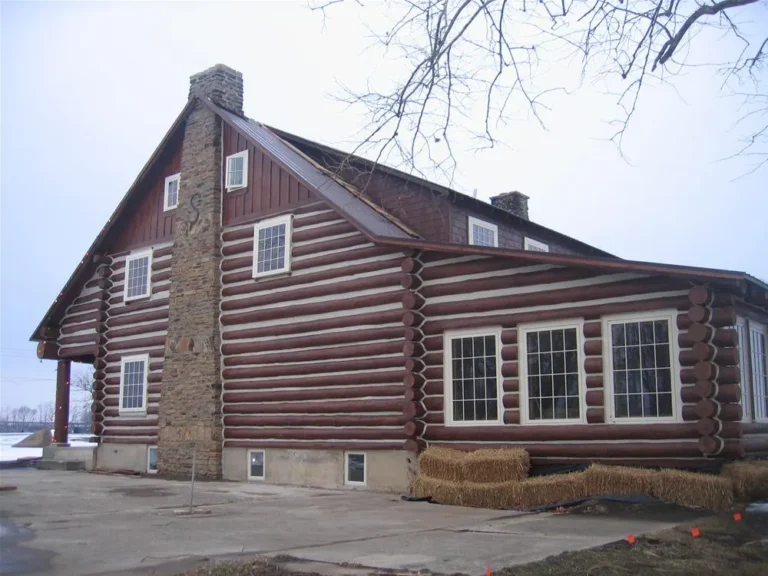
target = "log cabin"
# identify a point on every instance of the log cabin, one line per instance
(276, 310)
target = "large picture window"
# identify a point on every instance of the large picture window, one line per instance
(133, 383)
(757, 339)
(472, 377)
(551, 374)
(272, 246)
(641, 374)
(138, 269)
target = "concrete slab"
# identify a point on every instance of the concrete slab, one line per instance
(80, 523)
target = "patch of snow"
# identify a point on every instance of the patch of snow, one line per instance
(8, 453)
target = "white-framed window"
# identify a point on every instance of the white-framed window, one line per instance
(551, 388)
(472, 383)
(133, 383)
(272, 246)
(256, 467)
(171, 196)
(642, 380)
(138, 274)
(152, 460)
(758, 334)
(237, 171)
(534, 245)
(746, 377)
(482, 233)
(355, 469)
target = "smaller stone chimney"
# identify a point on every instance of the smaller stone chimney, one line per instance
(220, 83)
(514, 202)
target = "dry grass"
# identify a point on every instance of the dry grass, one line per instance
(692, 489)
(496, 465)
(750, 479)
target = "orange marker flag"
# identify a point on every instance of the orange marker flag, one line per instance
(695, 532)
(631, 539)
(737, 516)
(487, 571)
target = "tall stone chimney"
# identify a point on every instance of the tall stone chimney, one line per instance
(514, 202)
(220, 83)
(190, 422)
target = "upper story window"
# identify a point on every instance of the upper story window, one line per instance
(535, 245)
(138, 268)
(171, 192)
(472, 377)
(133, 383)
(641, 378)
(551, 373)
(237, 170)
(272, 246)
(482, 233)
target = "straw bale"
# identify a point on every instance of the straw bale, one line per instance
(496, 465)
(693, 489)
(750, 479)
(442, 464)
(441, 491)
(600, 479)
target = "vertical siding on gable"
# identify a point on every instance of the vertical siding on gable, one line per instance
(270, 189)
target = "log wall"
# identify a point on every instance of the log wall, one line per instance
(483, 292)
(313, 358)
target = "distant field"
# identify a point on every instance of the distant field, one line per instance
(8, 453)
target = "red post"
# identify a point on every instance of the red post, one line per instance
(61, 419)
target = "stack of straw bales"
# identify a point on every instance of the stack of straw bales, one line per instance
(750, 479)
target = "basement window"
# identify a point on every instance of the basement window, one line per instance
(535, 245)
(133, 383)
(171, 192)
(138, 268)
(641, 368)
(472, 367)
(255, 464)
(152, 460)
(482, 233)
(272, 246)
(355, 473)
(237, 170)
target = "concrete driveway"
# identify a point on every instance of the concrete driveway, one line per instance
(72, 523)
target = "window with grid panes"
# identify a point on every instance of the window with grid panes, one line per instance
(172, 191)
(137, 275)
(482, 233)
(133, 383)
(237, 170)
(272, 246)
(757, 338)
(641, 369)
(474, 378)
(552, 374)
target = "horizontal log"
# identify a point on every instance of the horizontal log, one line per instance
(410, 281)
(708, 408)
(595, 415)
(314, 394)
(311, 369)
(143, 329)
(412, 410)
(509, 369)
(412, 301)
(134, 343)
(354, 303)
(410, 266)
(354, 379)
(413, 395)
(593, 329)
(721, 337)
(315, 445)
(683, 449)
(414, 365)
(332, 289)
(90, 351)
(550, 297)
(330, 354)
(511, 400)
(115, 368)
(508, 336)
(717, 317)
(413, 334)
(509, 353)
(304, 234)
(433, 359)
(87, 298)
(412, 319)
(722, 393)
(114, 390)
(131, 307)
(683, 321)
(593, 347)
(479, 266)
(594, 398)
(116, 412)
(413, 428)
(722, 374)
(114, 322)
(594, 381)
(79, 319)
(332, 420)
(511, 385)
(512, 417)
(339, 257)
(414, 445)
(701, 295)
(88, 325)
(689, 413)
(688, 394)
(47, 350)
(434, 388)
(561, 432)
(756, 444)
(153, 353)
(711, 427)
(593, 365)
(88, 307)
(414, 381)
(755, 428)
(128, 421)
(329, 407)
(711, 445)
(127, 432)
(413, 349)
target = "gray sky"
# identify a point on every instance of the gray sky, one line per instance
(88, 90)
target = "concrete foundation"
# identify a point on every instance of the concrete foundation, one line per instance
(131, 457)
(66, 454)
(386, 470)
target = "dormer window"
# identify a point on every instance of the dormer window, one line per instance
(482, 233)
(237, 170)
(535, 245)
(171, 192)
(138, 268)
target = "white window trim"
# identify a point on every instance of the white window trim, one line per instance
(472, 222)
(244, 155)
(128, 260)
(529, 243)
(494, 331)
(149, 451)
(286, 219)
(760, 328)
(522, 330)
(674, 365)
(742, 328)
(349, 482)
(264, 465)
(175, 178)
(123, 361)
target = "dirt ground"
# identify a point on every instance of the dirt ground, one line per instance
(725, 546)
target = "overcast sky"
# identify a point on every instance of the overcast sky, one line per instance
(88, 90)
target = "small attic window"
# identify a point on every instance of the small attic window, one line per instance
(535, 245)
(171, 192)
(237, 170)
(482, 233)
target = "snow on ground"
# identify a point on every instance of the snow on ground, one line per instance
(9, 453)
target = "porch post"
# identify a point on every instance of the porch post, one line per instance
(61, 419)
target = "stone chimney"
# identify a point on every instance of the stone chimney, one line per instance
(220, 83)
(514, 202)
